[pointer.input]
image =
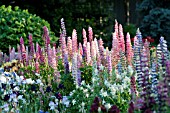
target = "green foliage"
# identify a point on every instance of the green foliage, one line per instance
(16, 23)
(68, 82)
(131, 28)
(78, 14)
(157, 23)
(156, 18)
(86, 74)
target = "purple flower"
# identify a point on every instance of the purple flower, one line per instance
(94, 108)
(103, 108)
(114, 109)
(96, 100)
(58, 96)
(48, 89)
(33, 88)
(61, 86)
(131, 108)
(6, 97)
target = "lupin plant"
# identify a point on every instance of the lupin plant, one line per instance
(129, 51)
(120, 77)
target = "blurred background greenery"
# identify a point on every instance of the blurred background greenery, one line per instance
(151, 16)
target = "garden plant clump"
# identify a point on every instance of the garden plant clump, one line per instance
(86, 77)
(16, 23)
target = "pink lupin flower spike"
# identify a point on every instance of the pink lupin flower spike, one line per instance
(74, 41)
(116, 29)
(115, 50)
(31, 45)
(19, 52)
(121, 37)
(37, 69)
(84, 37)
(129, 52)
(69, 47)
(90, 34)
(80, 49)
(88, 53)
(12, 54)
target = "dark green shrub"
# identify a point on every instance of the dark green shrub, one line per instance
(16, 23)
(131, 28)
(157, 24)
(155, 19)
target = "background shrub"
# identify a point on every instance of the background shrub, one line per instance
(155, 19)
(15, 23)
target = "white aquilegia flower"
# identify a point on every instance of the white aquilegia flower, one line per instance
(96, 71)
(103, 94)
(124, 74)
(126, 80)
(82, 110)
(85, 91)
(113, 90)
(65, 101)
(29, 81)
(73, 101)
(93, 79)
(3, 79)
(130, 69)
(88, 86)
(107, 83)
(101, 67)
(108, 106)
(5, 107)
(20, 97)
(83, 82)
(87, 95)
(52, 105)
(16, 88)
(21, 78)
(37, 74)
(118, 76)
(82, 104)
(103, 101)
(38, 81)
(99, 109)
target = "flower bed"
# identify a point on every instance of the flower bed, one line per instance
(75, 77)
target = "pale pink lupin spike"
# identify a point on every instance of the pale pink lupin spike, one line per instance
(21, 41)
(96, 46)
(64, 48)
(19, 52)
(74, 41)
(115, 50)
(121, 38)
(12, 54)
(74, 67)
(116, 29)
(90, 34)
(80, 49)
(49, 53)
(27, 56)
(109, 63)
(93, 50)
(37, 70)
(129, 52)
(31, 45)
(84, 37)
(54, 62)
(88, 53)
(69, 47)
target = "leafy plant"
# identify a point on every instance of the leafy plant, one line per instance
(155, 18)
(16, 23)
(131, 28)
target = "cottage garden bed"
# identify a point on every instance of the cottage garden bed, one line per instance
(86, 77)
